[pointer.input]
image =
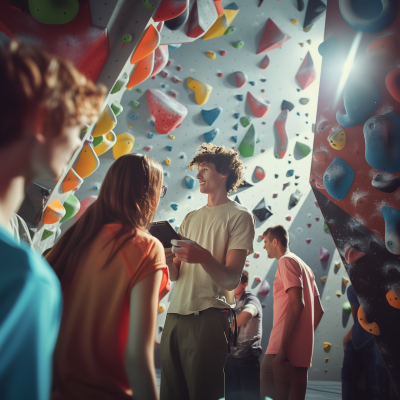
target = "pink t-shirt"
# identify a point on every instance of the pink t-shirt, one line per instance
(293, 271)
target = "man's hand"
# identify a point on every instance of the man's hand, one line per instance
(189, 251)
(278, 360)
(173, 264)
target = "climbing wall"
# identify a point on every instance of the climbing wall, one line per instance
(355, 168)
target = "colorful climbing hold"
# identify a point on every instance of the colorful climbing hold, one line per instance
(272, 38)
(320, 157)
(352, 255)
(294, 199)
(371, 327)
(392, 229)
(324, 278)
(259, 172)
(143, 70)
(211, 54)
(147, 45)
(48, 232)
(72, 206)
(170, 9)
(222, 52)
(121, 82)
(109, 139)
(327, 347)
(285, 185)
(323, 254)
(290, 172)
(383, 48)
(53, 213)
(230, 30)
(338, 178)
(337, 139)
(105, 123)
(117, 107)
(346, 307)
(168, 161)
(345, 281)
(238, 45)
(361, 98)
(201, 90)
(166, 113)
(294, 21)
(87, 161)
(223, 21)
(282, 144)
(245, 121)
(174, 206)
(264, 62)
(259, 105)
(71, 181)
(211, 135)
(241, 78)
(248, 143)
(239, 97)
(149, 147)
(53, 13)
(301, 150)
(234, 138)
(176, 79)
(338, 293)
(392, 82)
(210, 116)
(393, 298)
(264, 288)
(306, 74)
(386, 183)
(261, 211)
(190, 182)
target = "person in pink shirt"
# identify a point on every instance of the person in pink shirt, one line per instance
(297, 313)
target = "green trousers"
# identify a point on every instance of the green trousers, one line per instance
(193, 355)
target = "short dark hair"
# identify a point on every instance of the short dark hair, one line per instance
(226, 161)
(245, 277)
(279, 233)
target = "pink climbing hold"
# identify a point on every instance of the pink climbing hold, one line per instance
(161, 55)
(259, 105)
(257, 279)
(256, 255)
(306, 74)
(352, 255)
(308, 241)
(323, 254)
(179, 69)
(175, 79)
(264, 288)
(288, 218)
(223, 52)
(272, 38)
(166, 112)
(241, 78)
(260, 173)
(85, 204)
(220, 74)
(264, 63)
(280, 126)
(316, 182)
(169, 63)
(164, 74)
(172, 93)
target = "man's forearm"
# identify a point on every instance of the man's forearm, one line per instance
(226, 277)
(293, 313)
(317, 318)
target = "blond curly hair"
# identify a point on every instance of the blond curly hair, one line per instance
(32, 80)
(226, 161)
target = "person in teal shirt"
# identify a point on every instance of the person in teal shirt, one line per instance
(44, 103)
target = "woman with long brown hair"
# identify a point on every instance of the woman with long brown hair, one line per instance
(112, 273)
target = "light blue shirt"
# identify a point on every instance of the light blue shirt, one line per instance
(30, 313)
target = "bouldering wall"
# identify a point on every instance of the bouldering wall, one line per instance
(221, 90)
(355, 168)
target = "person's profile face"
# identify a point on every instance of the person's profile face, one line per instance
(269, 247)
(210, 180)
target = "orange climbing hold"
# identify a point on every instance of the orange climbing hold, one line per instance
(53, 213)
(371, 327)
(143, 70)
(71, 181)
(87, 162)
(147, 45)
(383, 48)
(393, 298)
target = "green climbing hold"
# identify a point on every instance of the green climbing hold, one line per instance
(116, 107)
(245, 121)
(258, 140)
(47, 233)
(303, 148)
(248, 143)
(135, 104)
(53, 12)
(326, 229)
(127, 38)
(347, 307)
(85, 129)
(139, 90)
(72, 206)
(230, 30)
(121, 82)
(148, 5)
(238, 45)
(97, 140)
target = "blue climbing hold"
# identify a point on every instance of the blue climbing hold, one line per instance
(329, 48)
(382, 142)
(163, 86)
(338, 178)
(252, 83)
(234, 138)
(298, 90)
(236, 115)
(174, 206)
(290, 173)
(210, 116)
(152, 123)
(189, 182)
(392, 229)
(236, 127)
(298, 114)
(182, 156)
(171, 221)
(189, 197)
(132, 116)
(368, 15)
(172, 47)
(239, 97)
(210, 136)
(165, 173)
(150, 135)
(361, 98)
(170, 148)
(263, 80)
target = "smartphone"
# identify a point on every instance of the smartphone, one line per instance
(164, 232)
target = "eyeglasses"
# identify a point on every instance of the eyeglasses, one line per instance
(163, 191)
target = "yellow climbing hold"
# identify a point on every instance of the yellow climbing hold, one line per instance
(371, 327)
(294, 21)
(222, 23)
(124, 145)
(327, 347)
(71, 181)
(211, 54)
(337, 264)
(301, 44)
(108, 141)
(172, 137)
(201, 90)
(168, 161)
(87, 162)
(161, 308)
(326, 359)
(309, 41)
(53, 212)
(307, 29)
(323, 279)
(337, 139)
(338, 293)
(130, 126)
(191, 167)
(345, 281)
(106, 122)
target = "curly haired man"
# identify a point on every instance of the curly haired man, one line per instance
(207, 266)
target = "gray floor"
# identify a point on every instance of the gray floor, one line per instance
(316, 390)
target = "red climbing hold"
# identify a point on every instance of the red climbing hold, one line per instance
(272, 38)
(200, 20)
(393, 83)
(323, 254)
(179, 69)
(166, 112)
(175, 79)
(241, 78)
(220, 74)
(169, 63)
(223, 52)
(275, 195)
(161, 55)
(320, 157)
(288, 218)
(170, 9)
(260, 173)
(308, 241)
(164, 74)
(352, 255)
(306, 74)
(264, 63)
(280, 126)
(259, 105)
(309, 225)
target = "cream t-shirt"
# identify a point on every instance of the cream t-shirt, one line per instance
(229, 226)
